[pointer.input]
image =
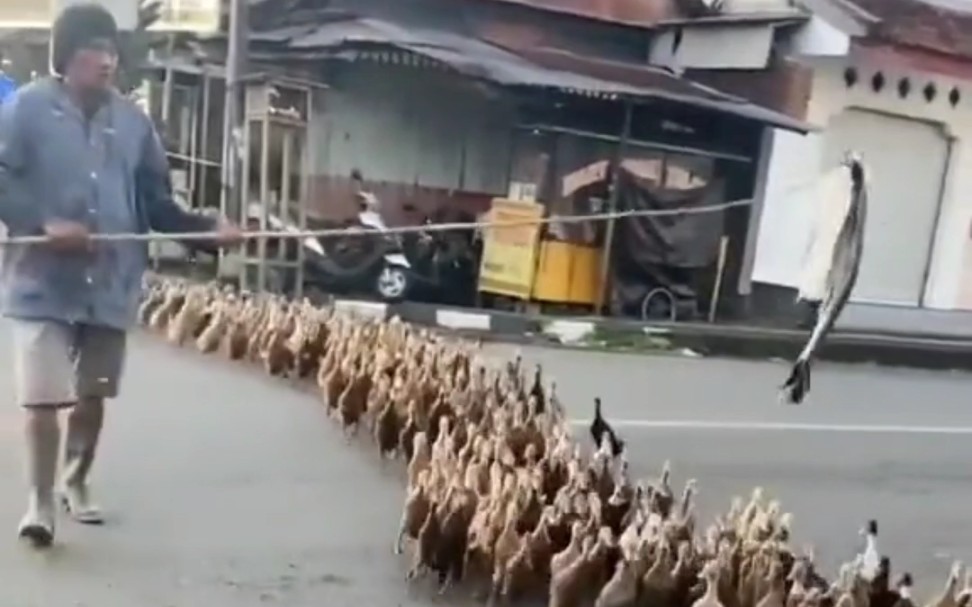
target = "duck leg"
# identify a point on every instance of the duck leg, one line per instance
(417, 567)
(445, 581)
(496, 588)
(400, 540)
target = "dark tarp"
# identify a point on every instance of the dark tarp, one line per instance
(662, 251)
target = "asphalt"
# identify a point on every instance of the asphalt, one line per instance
(870, 442)
(224, 488)
(228, 488)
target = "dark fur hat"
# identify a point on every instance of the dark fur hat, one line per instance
(76, 27)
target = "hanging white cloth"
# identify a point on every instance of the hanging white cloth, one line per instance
(832, 203)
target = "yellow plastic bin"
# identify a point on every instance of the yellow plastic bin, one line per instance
(567, 273)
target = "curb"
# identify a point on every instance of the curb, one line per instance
(457, 319)
(694, 338)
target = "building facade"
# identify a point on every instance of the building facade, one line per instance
(880, 88)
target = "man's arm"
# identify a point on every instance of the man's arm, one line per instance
(155, 195)
(16, 212)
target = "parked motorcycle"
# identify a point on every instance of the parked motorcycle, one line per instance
(372, 262)
(393, 274)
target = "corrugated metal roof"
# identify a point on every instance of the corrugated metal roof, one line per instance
(542, 68)
(358, 30)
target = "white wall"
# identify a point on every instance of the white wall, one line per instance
(713, 47)
(410, 125)
(818, 38)
(796, 162)
(787, 207)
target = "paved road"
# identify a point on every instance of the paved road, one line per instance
(227, 488)
(891, 444)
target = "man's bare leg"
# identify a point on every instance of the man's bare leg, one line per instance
(81, 444)
(42, 436)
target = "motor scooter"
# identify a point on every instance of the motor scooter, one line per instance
(393, 275)
(373, 263)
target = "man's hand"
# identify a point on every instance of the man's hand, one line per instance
(67, 236)
(228, 234)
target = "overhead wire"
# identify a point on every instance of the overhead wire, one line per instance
(359, 231)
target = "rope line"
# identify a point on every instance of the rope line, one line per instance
(357, 231)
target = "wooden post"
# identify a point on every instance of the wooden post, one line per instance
(612, 206)
(720, 271)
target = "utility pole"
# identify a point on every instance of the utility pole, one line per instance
(236, 66)
(232, 204)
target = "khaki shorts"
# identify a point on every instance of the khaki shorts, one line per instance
(57, 363)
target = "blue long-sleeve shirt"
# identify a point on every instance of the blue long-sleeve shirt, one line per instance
(108, 172)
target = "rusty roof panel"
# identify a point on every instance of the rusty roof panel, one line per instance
(616, 71)
(641, 13)
(784, 87)
(651, 13)
(919, 24)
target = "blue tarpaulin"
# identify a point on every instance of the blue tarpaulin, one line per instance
(7, 87)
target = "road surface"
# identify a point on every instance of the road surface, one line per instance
(228, 488)
(869, 442)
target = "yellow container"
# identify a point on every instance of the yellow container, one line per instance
(567, 273)
(509, 252)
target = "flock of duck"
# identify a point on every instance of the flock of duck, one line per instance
(499, 496)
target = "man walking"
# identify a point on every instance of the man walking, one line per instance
(77, 158)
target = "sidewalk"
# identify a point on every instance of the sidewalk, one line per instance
(737, 340)
(926, 339)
